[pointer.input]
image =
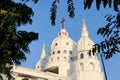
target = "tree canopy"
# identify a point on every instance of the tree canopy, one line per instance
(14, 43)
(110, 32)
(87, 5)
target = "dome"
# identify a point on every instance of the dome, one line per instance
(63, 41)
(61, 49)
(85, 43)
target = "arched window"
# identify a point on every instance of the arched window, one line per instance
(49, 53)
(59, 34)
(71, 58)
(67, 43)
(70, 52)
(65, 58)
(58, 58)
(92, 66)
(53, 52)
(81, 66)
(64, 51)
(37, 66)
(81, 56)
(56, 44)
(1, 77)
(25, 79)
(76, 57)
(51, 59)
(58, 52)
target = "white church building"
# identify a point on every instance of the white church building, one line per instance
(66, 60)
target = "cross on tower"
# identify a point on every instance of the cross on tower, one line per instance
(63, 20)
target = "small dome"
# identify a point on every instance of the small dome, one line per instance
(85, 43)
(63, 32)
(61, 49)
(63, 41)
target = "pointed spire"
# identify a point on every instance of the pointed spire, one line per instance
(84, 25)
(84, 28)
(41, 62)
(63, 20)
(43, 53)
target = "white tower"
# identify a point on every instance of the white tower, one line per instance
(60, 51)
(66, 60)
(85, 66)
(40, 64)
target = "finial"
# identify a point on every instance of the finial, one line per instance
(63, 20)
(43, 46)
(83, 22)
(84, 28)
(43, 54)
(84, 25)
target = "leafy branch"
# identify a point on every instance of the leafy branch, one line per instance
(110, 45)
(54, 7)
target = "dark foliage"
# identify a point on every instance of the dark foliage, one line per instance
(14, 44)
(110, 31)
(53, 11)
(105, 3)
(71, 8)
(35, 1)
(87, 5)
(111, 34)
(54, 7)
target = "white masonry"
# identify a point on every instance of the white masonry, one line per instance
(66, 60)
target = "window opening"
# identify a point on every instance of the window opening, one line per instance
(76, 57)
(65, 58)
(25, 79)
(53, 52)
(51, 59)
(67, 43)
(92, 67)
(81, 66)
(71, 58)
(81, 56)
(58, 58)
(64, 51)
(58, 52)
(56, 44)
(70, 52)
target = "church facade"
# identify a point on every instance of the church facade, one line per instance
(66, 60)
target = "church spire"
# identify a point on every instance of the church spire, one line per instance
(40, 64)
(84, 28)
(43, 53)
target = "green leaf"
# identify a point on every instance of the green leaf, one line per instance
(71, 8)
(98, 2)
(105, 2)
(14, 44)
(110, 3)
(115, 4)
(87, 4)
(53, 11)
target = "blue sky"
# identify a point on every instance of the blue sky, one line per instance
(42, 25)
